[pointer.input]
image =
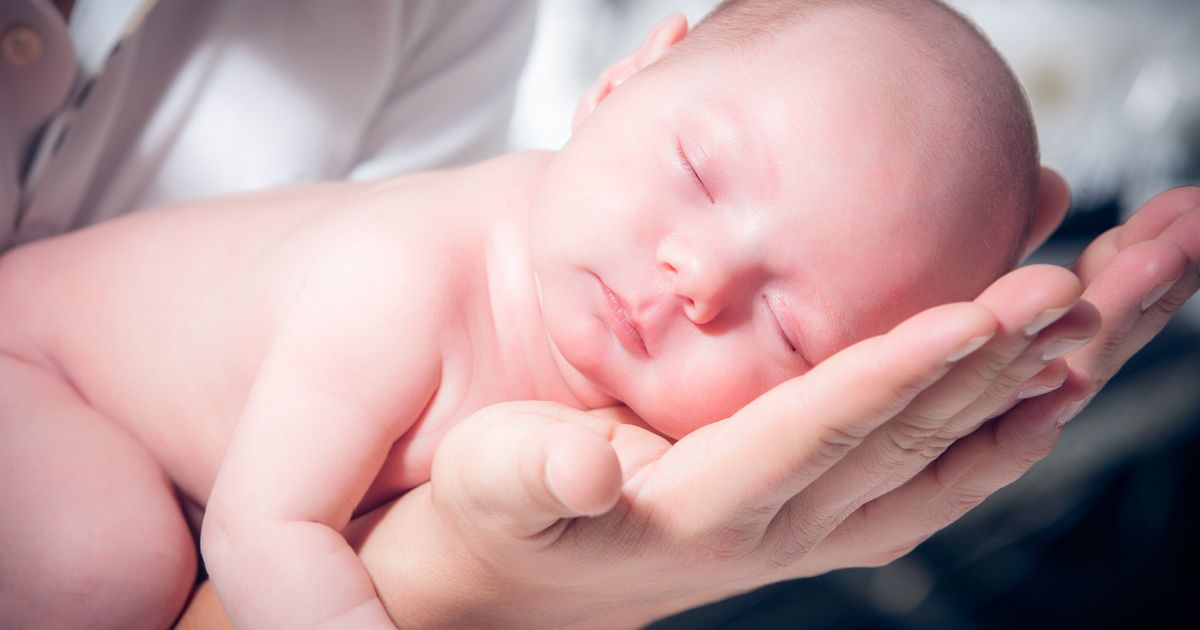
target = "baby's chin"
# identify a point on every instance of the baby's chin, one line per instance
(675, 417)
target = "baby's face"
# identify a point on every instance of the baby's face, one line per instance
(715, 228)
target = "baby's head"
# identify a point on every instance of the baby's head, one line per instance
(738, 204)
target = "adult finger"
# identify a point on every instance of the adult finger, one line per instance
(1148, 223)
(798, 430)
(1052, 376)
(1164, 301)
(1025, 302)
(517, 469)
(1072, 331)
(1124, 293)
(973, 469)
(1153, 218)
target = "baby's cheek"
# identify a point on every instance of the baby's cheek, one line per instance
(702, 394)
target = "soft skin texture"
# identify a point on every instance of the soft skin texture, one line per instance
(329, 356)
(491, 538)
(743, 259)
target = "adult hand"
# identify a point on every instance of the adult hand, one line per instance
(538, 514)
(1137, 275)
(824, 472)
(753, 499)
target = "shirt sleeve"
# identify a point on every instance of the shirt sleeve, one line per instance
(452, 95)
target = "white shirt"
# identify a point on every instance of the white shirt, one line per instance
(138, 103)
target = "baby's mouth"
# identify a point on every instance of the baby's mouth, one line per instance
(623, 323)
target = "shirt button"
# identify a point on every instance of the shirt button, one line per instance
(20, 45)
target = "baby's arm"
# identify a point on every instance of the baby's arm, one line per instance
(349, 372)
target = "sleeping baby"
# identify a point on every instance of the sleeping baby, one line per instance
(734, 206)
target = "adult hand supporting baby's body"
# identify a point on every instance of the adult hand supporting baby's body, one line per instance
(823, 472)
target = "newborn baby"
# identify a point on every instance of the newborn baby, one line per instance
(733, 207)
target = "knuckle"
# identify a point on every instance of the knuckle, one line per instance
(930, 412)
(903, 442)
(713, 535)
(1168, 305)
(992, 365)
(1111, 346)
(798, 533)
(835, 441)
(958, 501)
(937, 444)
(1003, 387)
(730, 541)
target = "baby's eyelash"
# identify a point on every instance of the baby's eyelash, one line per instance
(779, 327)
(687, 165)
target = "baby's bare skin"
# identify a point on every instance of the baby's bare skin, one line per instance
(162, 320)
(292, 359)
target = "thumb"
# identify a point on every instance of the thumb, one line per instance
(518, 468)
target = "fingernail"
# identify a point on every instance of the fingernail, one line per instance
(1037, 390)
(1059, 347)
(973, 344)
(1068, 413)
(1044, 319)
(1157, 294)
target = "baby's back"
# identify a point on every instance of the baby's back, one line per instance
(160, 320)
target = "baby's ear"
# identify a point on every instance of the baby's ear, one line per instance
(662, 37)
(1052, 201)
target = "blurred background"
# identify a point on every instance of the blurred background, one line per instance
(1103, 532)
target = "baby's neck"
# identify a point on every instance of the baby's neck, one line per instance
(513, 302)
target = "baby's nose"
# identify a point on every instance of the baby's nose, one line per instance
(702, 276)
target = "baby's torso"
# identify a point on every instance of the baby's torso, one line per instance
(162, 320)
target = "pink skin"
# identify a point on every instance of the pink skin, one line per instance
(694, 253)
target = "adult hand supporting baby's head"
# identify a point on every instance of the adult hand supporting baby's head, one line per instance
(825, 471)
(491, 540)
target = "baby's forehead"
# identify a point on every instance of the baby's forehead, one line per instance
(918, 110)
